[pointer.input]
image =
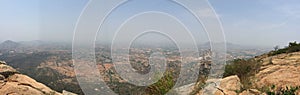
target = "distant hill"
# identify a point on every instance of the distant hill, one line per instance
(230, 45)
(9, 45)
(32, 43)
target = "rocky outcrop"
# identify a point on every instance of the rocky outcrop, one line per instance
(232, 86)
(231, 83)
(229, 86)
(280, 70)
(14, 83)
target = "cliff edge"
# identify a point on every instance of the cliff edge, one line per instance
(14, 83)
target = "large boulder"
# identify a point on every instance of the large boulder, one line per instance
(231, 83)
(229, 86)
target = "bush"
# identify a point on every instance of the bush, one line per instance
(293, 47)
(163, 85)
(282, 91)
(244, 69)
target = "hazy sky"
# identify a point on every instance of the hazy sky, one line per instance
(252, 22)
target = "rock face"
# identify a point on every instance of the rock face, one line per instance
(232, 86)
(14, 83)
(229, 86)
(231, 83)
(280, 70)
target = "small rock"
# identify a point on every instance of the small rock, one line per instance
(68, 93)
(255, 91)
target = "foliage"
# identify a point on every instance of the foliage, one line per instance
(162, 86)
(282, 91)
(293, 47)
(244, 69)
(276, 48)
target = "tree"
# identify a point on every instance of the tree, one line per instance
(293, 44)
(276, 48)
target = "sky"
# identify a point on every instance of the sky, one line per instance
(253, 22)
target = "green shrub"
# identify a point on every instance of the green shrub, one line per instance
(163, 85)
(293, 47)
(244, 69)
(282, 91)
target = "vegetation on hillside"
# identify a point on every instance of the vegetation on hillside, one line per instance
(293, 47)
(244, 69)
(163, 86)
(282, 91)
